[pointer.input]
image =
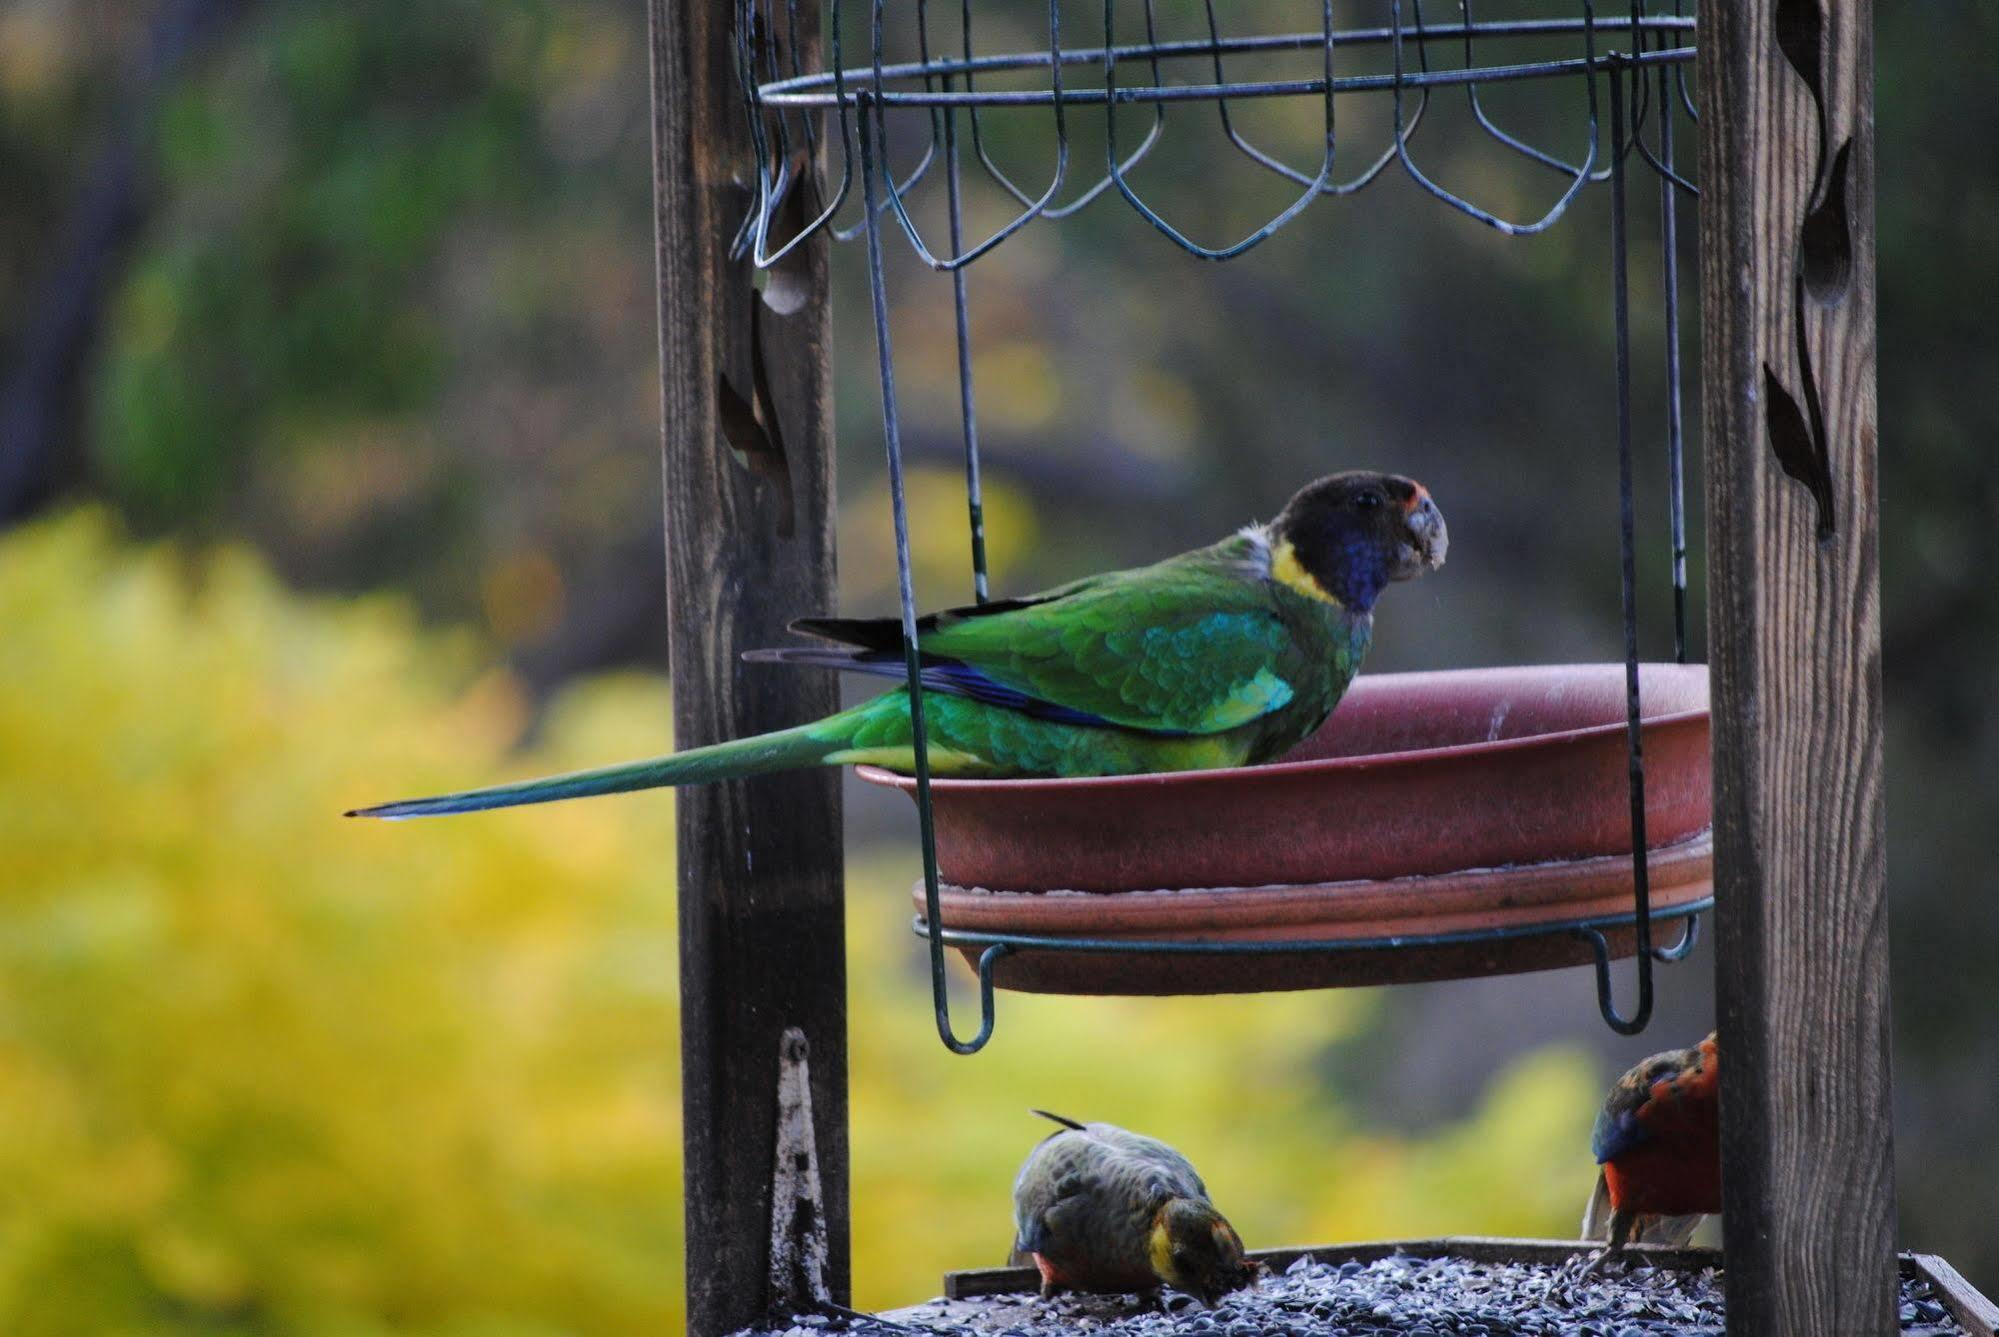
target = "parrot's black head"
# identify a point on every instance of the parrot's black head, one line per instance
(1194, 1249)
(1347, 535)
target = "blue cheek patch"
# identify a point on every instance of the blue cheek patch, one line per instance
(1364, 575)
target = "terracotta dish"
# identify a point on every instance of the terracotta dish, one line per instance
(1478, 802)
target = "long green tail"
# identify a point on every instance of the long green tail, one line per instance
(786, 749)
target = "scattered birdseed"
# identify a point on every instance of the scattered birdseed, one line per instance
(1402, 1296)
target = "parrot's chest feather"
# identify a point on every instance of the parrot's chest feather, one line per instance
(1326, 642)
(1680, 1178)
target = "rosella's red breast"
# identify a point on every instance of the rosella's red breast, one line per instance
(1664, 1179)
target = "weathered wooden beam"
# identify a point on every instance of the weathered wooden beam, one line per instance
(1794, 629)
(1973, 1312)
(749, 534)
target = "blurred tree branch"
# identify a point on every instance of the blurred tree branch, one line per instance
(39, 399)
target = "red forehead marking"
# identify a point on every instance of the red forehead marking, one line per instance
(1417, 497)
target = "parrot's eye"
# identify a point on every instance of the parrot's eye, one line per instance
(1367, 501)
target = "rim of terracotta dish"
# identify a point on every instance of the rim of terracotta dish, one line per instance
(877, 775)
(1677, 868)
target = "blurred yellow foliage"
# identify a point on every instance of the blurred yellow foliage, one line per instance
(940, 540)
(265, 1071)
(1020, 390)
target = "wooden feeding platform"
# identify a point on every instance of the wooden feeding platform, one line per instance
(1441, 1287)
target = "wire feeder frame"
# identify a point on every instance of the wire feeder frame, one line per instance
(1633, 64)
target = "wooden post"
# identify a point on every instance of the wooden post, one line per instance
(749, 532)
(1787, 282)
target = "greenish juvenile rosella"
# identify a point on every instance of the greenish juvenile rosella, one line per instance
(1099, 1208)
(1229, 655)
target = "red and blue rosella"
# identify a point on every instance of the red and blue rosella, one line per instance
(1229, 655)
(1658, 1141)
(1098, 1208)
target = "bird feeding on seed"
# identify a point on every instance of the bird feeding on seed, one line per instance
(1099, 1208)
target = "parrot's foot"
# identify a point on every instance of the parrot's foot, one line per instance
(1596, 1264)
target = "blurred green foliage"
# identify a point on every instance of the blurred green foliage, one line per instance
(266, 1071)
(383, 262)
(342, 154)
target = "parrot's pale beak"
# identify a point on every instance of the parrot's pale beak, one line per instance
(1426, 541)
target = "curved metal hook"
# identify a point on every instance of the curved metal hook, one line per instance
(861, 103)
(1582, 176)
(775, 182)
(987, 1007)
(1057, 212)
(871, 175)
(895, 193)
(1690, 936)
(1605, 1002)
(1641, 873)
(1520, 146)
(1359, 183)
(1312, 189)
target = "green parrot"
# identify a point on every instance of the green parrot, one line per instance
(1228, 655)
(1099, 1208)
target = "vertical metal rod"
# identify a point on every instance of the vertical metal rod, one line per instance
(1634, 739)
(1669, 250)
(975, 504)
(872, 150)
(944, 122)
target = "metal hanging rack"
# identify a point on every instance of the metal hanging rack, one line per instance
(1639, 62)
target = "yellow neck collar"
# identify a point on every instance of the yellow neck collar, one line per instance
(1286, 571)
(1159, 1250)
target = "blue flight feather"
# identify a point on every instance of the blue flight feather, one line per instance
(1616, 1134)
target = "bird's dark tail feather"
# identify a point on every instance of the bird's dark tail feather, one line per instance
(1057, 1118)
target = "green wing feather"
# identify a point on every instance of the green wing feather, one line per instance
(1193, 645)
